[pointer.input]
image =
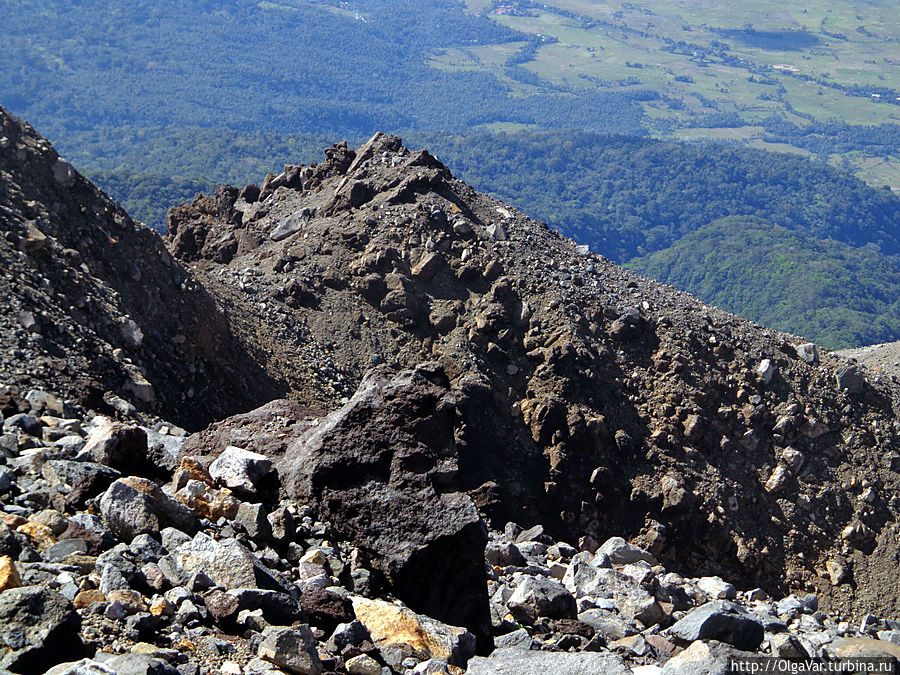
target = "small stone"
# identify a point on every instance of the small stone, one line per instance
(503, 554)
(353, 633)
(854, 648)
(537, 597)
(363, 665)
(858, 535)
(87, 598)
(787, 646)
(757, 595)
(399, 633)
(777, 480)
(208, 502)
(40, 629)
(239, 469)
(159, 606)
(517, 661)
(766, 370)
(620, 552)
(228, 563)
(133, 506)
(131, 601)
(793, 458)
(837, 572)
(809, 352)
(850, 378)
(717, 588)
(722, 621)
(9, 575)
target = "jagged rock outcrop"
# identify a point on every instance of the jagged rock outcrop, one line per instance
(96, 308)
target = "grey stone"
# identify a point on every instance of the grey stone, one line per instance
(133, 506)
(111, 579)
(85, 479)
(717, 588)
(380, 485)
(608, 624)
(43, 403)
(172, 538)
(146, 549)
(531, 534)
(277, 607)
(537, 597)
(722, 621)
(62, 549)
(766, 370)
(227, 562)
(83, 667)
(504, 554)
(293, 649)
(631, 599)
(809, 352)
(353, 633)
(28, 424)
(850, 378)
(136, 664)
(620, 552)
(704, 658)
(121, 446)
(254, 520)
(516, 661)
(290, 225)
(517, 639)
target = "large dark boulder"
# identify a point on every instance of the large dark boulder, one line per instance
(382, 471)
(38, 629)
(722, 621)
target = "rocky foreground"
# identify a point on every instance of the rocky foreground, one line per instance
(360, 417)
(124, 553)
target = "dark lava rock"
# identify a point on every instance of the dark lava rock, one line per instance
(39, 629)
(326, 609)
(86, 479)
(722, 621)
(376, 470)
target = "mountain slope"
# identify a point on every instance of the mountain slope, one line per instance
(590, 399)
(95, 307)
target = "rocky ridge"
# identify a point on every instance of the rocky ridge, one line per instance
(498, 451)
(590, 400)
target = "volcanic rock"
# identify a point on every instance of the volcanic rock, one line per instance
(39, 629)
(382, 470)
(133, 506)
(400, 633)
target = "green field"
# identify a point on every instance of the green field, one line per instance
(722, 69)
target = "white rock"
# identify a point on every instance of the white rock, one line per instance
(717, 588)
(239, 469)
(766, 370)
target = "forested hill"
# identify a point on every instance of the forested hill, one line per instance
(786, 279)
(629, 196)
